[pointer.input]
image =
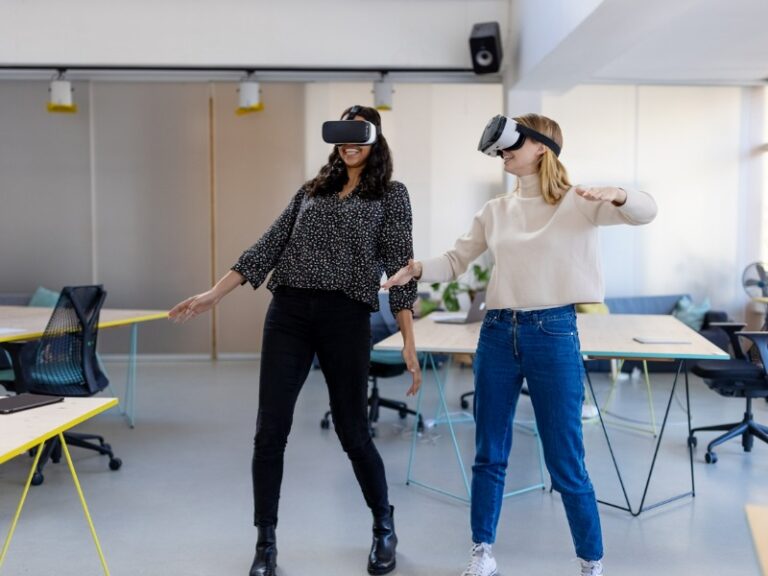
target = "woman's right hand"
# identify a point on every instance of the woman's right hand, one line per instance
(404, 275)
(193, 306)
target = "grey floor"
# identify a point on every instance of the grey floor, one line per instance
(181, 504)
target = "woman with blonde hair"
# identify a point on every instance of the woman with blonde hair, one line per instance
(544, 240)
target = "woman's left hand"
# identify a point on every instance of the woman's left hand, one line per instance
(412, 362)
(603, 194)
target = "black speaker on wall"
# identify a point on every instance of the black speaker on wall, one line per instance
(485, 47)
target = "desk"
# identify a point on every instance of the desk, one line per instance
(28, 323)
(28, 429)
(436, 338)
(758, 524)
(601, 336)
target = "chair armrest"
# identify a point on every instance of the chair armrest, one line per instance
(760, 340)
(714, 316)
(731, 328)
(22, 356)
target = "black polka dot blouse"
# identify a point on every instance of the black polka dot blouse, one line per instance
(329, 243)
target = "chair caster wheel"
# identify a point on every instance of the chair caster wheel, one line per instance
(325, 424)
(403, 415)
(464, 404)
(420, 426)
(710, 457)
(692, 441)
(115, 464)
(37, 479)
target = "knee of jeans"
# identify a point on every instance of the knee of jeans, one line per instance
(571, 485)
(269, 442)
(356, 445)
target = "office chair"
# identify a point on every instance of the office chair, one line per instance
(739, 377)
(63, 363)
(383, 364)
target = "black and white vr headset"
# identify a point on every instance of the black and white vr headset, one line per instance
(349, 131)
(502, 133)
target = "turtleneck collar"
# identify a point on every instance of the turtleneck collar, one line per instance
(529, 186)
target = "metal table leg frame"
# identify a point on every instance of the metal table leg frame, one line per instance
(32, 470)
(409, 479)
(643, 507)
(130, 385)
(540, 485)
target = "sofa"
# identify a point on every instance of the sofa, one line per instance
(662, 304)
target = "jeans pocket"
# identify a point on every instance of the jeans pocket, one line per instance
(490, 318)
(561, 327)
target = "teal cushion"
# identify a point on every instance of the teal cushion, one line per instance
(691, 314)
(7, 376)
(44, 298)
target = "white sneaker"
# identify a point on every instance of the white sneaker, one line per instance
(482, 562)
(588, 411)
(591, 567)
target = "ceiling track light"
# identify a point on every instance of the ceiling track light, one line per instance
(60, 99)
(383, 93)
(249, 96)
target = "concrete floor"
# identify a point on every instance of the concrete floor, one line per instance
(181, 504)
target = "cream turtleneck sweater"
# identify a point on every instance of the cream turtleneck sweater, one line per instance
(545, 255)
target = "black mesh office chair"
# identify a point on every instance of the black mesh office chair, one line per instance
(63, 363)
(740, 377)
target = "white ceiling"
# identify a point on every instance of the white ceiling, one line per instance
(661, 41)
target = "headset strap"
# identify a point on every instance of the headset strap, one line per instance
(539, 137)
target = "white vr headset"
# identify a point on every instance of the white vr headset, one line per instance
(502, 133)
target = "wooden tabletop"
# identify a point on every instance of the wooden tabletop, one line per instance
(24, 430)
(28, 322)
(601, 336)
(758, 523)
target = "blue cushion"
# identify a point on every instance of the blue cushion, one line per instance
(691, 314)
(44, 298)
(664, 304)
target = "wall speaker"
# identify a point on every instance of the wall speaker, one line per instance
(485, 47)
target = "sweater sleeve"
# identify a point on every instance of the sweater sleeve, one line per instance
(455, 262)
(258, 260)
(397, 245)
(639, 208)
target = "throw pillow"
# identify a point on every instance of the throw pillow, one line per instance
(691, 314)
(44, 298)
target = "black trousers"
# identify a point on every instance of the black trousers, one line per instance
(299, 324)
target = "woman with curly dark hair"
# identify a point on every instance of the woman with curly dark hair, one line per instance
(328, 250)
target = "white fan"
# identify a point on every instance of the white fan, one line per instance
(755, 280)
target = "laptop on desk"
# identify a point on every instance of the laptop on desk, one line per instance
(476, 313)
(25, 401)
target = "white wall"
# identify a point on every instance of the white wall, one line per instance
(433, 132)
(290, 33)
(684, 146)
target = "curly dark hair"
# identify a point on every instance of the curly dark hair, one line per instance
(374, 181)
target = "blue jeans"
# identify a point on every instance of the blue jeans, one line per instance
(541, 346)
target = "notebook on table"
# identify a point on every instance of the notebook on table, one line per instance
(24, 401)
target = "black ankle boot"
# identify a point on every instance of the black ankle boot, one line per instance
(265, 562)
(381, 560)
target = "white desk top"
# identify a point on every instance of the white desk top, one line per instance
(601, 335)
(24, 430)
(26, 322)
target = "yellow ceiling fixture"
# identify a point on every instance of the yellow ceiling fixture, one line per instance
(249, 96)
(383, 93)
(60, 99)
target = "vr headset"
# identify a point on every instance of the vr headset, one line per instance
(349, 131)
(502, 133)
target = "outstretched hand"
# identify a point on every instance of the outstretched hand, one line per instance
(603, 194)
(193, 306)
(404, 275)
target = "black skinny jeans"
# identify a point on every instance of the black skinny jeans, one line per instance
(300, 323)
